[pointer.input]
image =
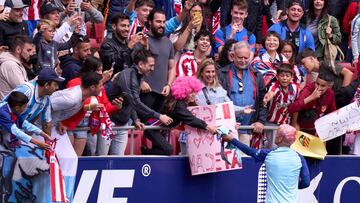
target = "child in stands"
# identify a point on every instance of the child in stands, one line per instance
(280, 95)
(46, 47)
(13, 127)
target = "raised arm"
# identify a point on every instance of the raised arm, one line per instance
(258, 155)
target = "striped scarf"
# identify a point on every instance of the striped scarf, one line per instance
(101, 121)
(57, 183)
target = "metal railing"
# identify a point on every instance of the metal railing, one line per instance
(132, 129)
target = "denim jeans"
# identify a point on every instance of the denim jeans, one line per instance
(96, 145)
(119, 142)
(80, 134)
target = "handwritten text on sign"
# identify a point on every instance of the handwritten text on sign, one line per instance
(336, 123)
(203, 147)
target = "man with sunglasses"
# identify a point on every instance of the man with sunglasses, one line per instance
(245, 87)
(292, 30)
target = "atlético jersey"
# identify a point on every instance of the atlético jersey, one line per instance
(186, 65)
(278, 106)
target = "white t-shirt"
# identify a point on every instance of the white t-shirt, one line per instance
(65, 103)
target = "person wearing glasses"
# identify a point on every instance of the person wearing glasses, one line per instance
(292, 30)
(245, 87)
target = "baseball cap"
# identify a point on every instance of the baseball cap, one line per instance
(49, 74)
(47, 8)
(15, 4)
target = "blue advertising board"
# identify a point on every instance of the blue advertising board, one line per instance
(168, 180)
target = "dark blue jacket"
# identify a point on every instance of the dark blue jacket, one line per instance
(306, 38)
(70, 69)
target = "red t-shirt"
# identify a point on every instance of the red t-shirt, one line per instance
(324, 105)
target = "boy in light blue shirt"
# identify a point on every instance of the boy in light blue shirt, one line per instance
(13, 126)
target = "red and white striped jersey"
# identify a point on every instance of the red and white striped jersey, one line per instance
(186, 65)
(216, 22)
(33, 11)
(133, 27)
(278, 106)
(298, 78)
(57, 183)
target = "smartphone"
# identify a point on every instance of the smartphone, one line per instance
(197, 15)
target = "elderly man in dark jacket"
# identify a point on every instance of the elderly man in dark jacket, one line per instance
(245, 87)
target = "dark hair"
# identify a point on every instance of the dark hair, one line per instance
(91, 64)
(141, 55)
(187, 20)
(285, 68)
(153, 12)
(149, 3)
(293, 57)
(296, 2)
(324, 74)
(42, 83)
(203, 33)
(119, 16)
(307, 52)
(18, 40)
(79, 40)
(272, 33)
(17, 99)
(90, 78)
(241, 3)
(223, 55)
(311, 12)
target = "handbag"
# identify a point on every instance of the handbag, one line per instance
(331, 50)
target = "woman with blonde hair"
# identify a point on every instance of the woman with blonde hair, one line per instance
(213, 92)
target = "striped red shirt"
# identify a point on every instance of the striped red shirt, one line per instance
(278, 106)
(33, 11)
(186, 65)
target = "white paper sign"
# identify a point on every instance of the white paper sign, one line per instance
(336, 123)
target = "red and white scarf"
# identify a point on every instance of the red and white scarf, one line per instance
(57, 183)
(101, 121)
(216, 22)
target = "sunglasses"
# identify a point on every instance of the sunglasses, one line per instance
(241, 87)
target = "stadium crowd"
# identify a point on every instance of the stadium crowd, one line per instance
(95, 63)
